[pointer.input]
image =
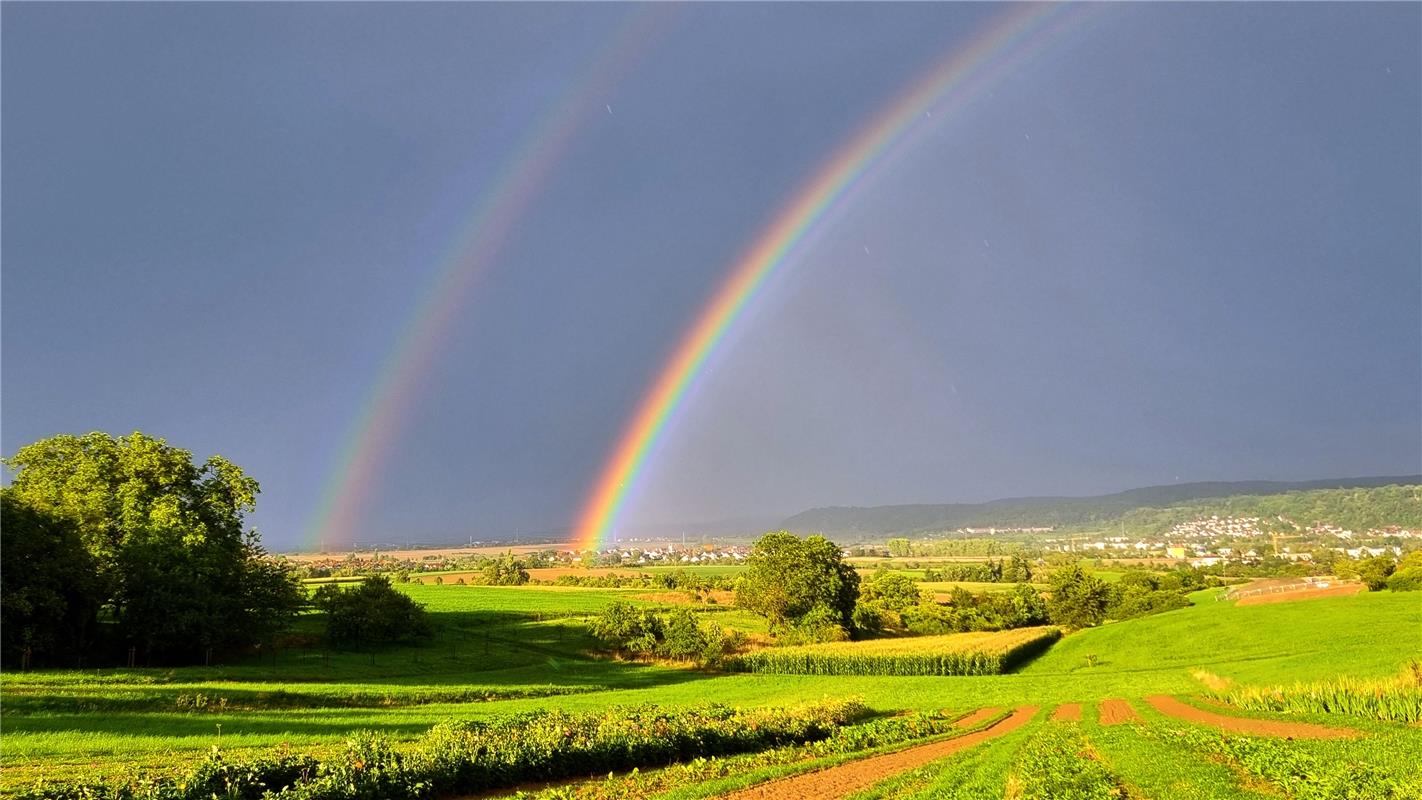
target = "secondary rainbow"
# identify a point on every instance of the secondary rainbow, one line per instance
(947, 86)
(495, 213)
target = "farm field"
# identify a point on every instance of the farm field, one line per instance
(501, 651)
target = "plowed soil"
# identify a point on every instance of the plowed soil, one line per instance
(1115, 712)
(849, 778)
(1067, 712)
(1302, 594)
(1259, 727)
(977, 717)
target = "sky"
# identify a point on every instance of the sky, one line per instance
(1173, 243)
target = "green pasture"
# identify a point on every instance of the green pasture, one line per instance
(499, 650)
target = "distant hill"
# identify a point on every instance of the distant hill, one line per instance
(1061, 512)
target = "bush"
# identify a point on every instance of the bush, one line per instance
(628, 629)
(371, 613)
(1406, 580)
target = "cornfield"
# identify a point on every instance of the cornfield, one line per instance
(987, 653)
(1396, 699)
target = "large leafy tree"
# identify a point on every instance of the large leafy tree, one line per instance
(789, 580)
(48, 591)
(170, 552)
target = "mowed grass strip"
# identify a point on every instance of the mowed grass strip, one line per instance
(982, 653)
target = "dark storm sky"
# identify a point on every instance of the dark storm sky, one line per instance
(1181, 243)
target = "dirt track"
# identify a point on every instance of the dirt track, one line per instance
(857, 775)
(1115, 712)
(1261, 727)
(977, 717)
(1067, 712)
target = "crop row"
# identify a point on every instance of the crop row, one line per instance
(1304, 775)
(1390, 700)
(1059, 763)
(465, 757)
(954, 654)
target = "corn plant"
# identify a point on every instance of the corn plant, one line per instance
(986, 653)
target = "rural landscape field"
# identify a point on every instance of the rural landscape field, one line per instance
(726, 401)
(637, 681)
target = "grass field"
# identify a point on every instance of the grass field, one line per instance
(502, 650)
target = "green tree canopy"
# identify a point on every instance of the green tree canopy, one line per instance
(372, 613)
(505, 570)
(787, 578)
(166, 537)
(892, 591)
(1079, 599)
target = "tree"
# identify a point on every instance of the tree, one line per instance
(789, 579)
(166, 537)
(505, 571)
(370, 614)
(626, 627)
(48, 591)
(681, 636)
(1079, 599)
(891, 591)
(1375, 571)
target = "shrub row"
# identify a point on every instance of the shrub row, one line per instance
(1389, 700)
(956, 654)
(464, 757)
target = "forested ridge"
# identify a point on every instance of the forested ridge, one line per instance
(1355, 503)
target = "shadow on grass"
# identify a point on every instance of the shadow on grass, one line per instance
(475, 656)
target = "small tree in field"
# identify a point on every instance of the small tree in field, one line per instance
(373, 613)
(789, 579)
(505, 571)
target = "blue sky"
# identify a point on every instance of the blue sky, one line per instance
(1182, 243)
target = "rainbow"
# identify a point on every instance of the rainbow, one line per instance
(493, 217)
(948, 86)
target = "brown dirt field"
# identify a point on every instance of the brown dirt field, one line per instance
(554, 573)
(1261, 727)
(977, 717)
(1067, 712)
(847, 779)
(1306, 594)
(682, 598)
(448, 578)
(1115, 712)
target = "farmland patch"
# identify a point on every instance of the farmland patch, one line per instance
(1259, 727)
(952, 654)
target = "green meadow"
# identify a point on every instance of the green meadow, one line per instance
(502, 650)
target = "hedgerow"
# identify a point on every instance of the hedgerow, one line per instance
(461, 757)
(954, 654)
